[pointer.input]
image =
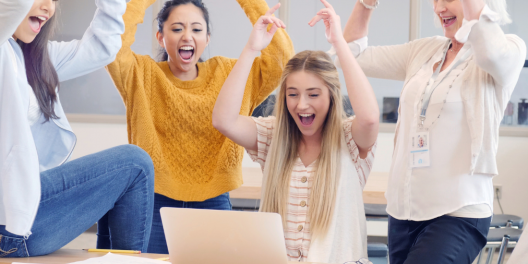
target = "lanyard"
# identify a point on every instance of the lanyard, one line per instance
(430, 85)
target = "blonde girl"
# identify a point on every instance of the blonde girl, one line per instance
(315, 161)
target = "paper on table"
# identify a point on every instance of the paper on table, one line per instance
(119, 259)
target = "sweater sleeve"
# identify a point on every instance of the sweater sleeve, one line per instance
(500, 55)
(98, 46)
(267, 68)
(19, 164)
(11, 15)
(126, 60)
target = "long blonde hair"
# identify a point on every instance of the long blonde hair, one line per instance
(285, 145)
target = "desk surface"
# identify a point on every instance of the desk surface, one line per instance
(64, 256)
(374, 192)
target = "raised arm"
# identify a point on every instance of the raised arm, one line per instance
(125, 60)
(385, 62)
(357, 24)
(267, 68)
(12, 12)
(98, 46)
(362, 98)
(500, 55)
(226, 113)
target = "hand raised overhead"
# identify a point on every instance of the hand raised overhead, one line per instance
(332, 23)
(260, 36)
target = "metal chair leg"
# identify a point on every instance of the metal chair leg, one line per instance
(504, 246)
(480, 255)
(491, 252)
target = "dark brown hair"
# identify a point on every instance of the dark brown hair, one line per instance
(41, 74)
(165, 12)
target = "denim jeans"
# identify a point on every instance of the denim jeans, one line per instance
(157, 243)
(115, 185)
(443, 240)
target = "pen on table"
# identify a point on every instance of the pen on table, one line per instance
(113, 251)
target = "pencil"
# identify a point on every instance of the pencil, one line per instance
(164, 259)
(113, 251)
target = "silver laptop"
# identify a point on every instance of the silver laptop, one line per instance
(196, 236)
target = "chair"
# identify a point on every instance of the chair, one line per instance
(502, 238)
(501, 220)
(377, 253)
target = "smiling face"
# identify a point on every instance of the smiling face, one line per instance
(308, 101)
(451, 14)
(184, 37)
(39, 14)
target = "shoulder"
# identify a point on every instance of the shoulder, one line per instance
(220, 63)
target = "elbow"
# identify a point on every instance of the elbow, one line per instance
(218, 123)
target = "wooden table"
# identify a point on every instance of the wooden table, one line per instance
(374, 192)
(63, 256)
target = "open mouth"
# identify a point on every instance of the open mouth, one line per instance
(448, 21)
(35, 23)
(186, 53)
(307, 119)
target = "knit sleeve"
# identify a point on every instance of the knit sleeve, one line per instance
(126, 60)
(363, 166)
(265, 127)
(267, 68)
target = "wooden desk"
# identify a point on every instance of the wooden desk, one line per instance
(374, 192)
(64, 256)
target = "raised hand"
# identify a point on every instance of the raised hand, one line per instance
(260, 36)
(332, 23)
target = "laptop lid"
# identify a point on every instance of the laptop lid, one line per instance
(197, 236)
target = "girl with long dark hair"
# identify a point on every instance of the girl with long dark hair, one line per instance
(47, 201)
(170, 103)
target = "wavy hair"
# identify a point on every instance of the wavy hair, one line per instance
(286, 140)
(40, 72)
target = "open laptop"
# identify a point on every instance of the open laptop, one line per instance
(197, 236)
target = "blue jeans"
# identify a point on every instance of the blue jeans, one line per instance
(443, 240)
(116, 185)
(157, 243)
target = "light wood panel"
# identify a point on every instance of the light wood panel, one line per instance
(374, 192)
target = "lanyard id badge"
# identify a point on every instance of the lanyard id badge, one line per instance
(420, 154)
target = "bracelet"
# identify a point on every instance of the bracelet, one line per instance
(370, 6)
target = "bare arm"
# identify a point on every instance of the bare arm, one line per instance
(357, 24)
(362, 98)
(226, 113)
(472, 9)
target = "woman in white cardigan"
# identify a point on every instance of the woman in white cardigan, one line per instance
(456, 88)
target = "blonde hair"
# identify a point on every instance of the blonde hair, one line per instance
(498, 6)
(285, 145)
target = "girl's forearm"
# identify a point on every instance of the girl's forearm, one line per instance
(360, 91)
(229, 101)
(357, 24)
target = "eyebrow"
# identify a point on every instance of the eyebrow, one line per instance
(309, 89)
(181, 24)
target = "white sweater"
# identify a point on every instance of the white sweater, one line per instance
(26, 150)
(489, 79)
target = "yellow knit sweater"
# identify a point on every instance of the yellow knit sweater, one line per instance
(171, 119)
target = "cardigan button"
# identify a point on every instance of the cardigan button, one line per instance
(303, 203)
(300, 228)
(304, 179)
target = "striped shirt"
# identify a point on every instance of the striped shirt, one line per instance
(297, 232)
